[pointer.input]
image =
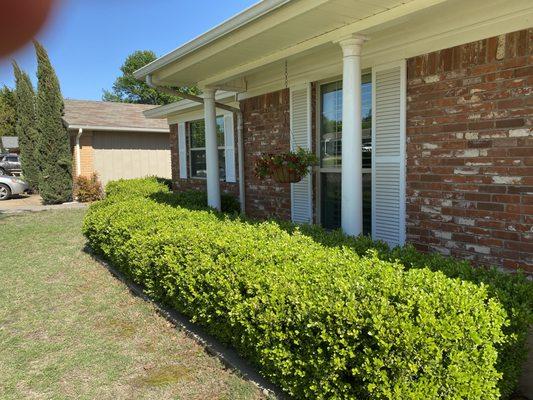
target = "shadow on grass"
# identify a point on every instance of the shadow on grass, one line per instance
(228, 356)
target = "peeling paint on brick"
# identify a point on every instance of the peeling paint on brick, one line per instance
(470, 153)
(508, 180)
(520, 132)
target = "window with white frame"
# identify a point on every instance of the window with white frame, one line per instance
(197, 154)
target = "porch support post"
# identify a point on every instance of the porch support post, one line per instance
(352, 163)
(77, 152)
(211, 149)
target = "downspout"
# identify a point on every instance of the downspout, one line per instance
(240, 145)
(78, 155)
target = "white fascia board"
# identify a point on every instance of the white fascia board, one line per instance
(183, 105)
(375, 20)
(244, 17)
(117, 128)
(328, 63)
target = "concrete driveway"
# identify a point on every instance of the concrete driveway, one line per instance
(32, 203)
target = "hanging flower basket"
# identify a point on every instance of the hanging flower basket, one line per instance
(284, 174)
(290, 167)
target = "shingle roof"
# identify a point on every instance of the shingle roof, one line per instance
(89, 113)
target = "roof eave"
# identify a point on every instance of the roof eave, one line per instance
(116, 128)
(183, 105)
(244, 17)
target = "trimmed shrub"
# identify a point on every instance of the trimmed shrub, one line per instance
(88, 189)
(197, 200)
(321, 322)
(158, 190)
(513, 291)
(140, 187)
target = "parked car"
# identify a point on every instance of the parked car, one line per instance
(10, 164)
(10, 185)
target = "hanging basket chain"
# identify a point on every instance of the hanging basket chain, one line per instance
(289, 167)
(287, 122)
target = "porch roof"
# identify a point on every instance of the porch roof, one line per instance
(253, 45)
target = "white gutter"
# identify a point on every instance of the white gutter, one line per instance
(118, 128)
(237, 21)
(78, 155)
(235, 110)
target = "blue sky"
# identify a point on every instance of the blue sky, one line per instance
(88, 40)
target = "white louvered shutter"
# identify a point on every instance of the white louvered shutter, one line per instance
(300, 114)
(229, 142)
(388, 157)
(182, 150)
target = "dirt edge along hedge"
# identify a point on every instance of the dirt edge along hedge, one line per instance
(322, 322)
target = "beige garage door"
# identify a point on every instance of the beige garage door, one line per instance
(131, 155)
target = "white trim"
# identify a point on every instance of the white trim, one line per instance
(308, 179)
(237, 21)
(331, 36)
(190, 149)
(78, 152)
(325, 63)
(229, 147)
(403, 145)
(401, 159)
(182, 105)
(182, 150)
(192, 115)
(117, 128)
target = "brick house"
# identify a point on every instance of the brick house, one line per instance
(431, 144)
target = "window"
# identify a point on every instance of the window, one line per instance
(197, 148)
(330, 139)
(12, 159)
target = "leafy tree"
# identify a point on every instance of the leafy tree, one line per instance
(53, 148)
(7, 113)
(127, 89)
(26, 126)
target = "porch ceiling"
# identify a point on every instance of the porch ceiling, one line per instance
(294, 22)
(303, 32)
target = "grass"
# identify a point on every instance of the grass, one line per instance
(68, 329)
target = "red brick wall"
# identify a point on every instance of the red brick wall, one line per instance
(264, 132)
(266, 120)
(192, 183)
(470, 151)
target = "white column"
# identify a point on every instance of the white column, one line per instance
(352, 174)
(211, 149)
(78, 152)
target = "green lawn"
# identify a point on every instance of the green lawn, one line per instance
(69, 329)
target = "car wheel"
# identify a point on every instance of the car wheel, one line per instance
(5, 192)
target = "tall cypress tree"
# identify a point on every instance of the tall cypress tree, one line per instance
(7, 114)
(55, 182)
(26, 126)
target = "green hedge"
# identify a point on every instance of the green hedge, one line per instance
(514, 292)
(319, 320)
(158, 189)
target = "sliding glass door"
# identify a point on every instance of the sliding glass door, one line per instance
(330, 152)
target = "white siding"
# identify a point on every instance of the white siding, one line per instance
(388, 157)
(300, 114)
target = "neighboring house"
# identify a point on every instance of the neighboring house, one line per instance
(10, 144)
(116, 140)
(442, 87)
